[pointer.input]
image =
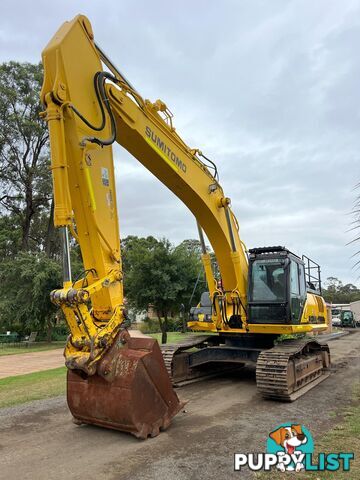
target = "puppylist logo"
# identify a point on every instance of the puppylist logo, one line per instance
(290, 448)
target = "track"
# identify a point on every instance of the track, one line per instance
(169, 350)
(179, 371)
(290, 369)
(284, 372)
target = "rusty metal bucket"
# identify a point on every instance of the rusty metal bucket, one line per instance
(131, 390)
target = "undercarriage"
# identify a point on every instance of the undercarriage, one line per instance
(285, 370)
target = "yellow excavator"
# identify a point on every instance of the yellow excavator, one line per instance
(120, 381)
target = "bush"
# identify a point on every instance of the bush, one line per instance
(59, 333)
(174, 324)
(151, 325)
(18, 328)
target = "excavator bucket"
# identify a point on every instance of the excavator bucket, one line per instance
(131, 390)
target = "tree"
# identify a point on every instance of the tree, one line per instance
(25, 179)
(336, 292)
(192, 246)
(25, 285)
(157, 274)
(10, 237)
(188, 259)
(27, 274)
(132, 248)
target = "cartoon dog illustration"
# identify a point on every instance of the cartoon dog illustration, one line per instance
(289, 438)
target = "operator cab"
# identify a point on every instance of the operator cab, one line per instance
(278, 284)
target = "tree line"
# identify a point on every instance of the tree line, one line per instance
(336, 291)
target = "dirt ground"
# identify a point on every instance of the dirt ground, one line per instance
(12, 365)
(223, 416)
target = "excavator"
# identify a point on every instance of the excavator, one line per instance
(258, 311)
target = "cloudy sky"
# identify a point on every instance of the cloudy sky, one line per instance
(267, 89)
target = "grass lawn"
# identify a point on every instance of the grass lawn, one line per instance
(48, 383)
(31, 348)
(345, 437)
(175, 337)
(33, 386)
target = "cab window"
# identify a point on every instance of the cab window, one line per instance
(268, 282)
(302, 280)
(294, 278)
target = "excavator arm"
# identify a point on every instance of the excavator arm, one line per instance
(87, 110)
(115, 380)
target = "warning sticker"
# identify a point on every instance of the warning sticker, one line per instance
(109, 199)
(105, 176)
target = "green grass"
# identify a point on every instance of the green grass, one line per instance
(33, 386)
(48, 383)
(344, 437)
(175, 337)
(31, 348)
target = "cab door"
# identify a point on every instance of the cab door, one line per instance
(296, 297)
